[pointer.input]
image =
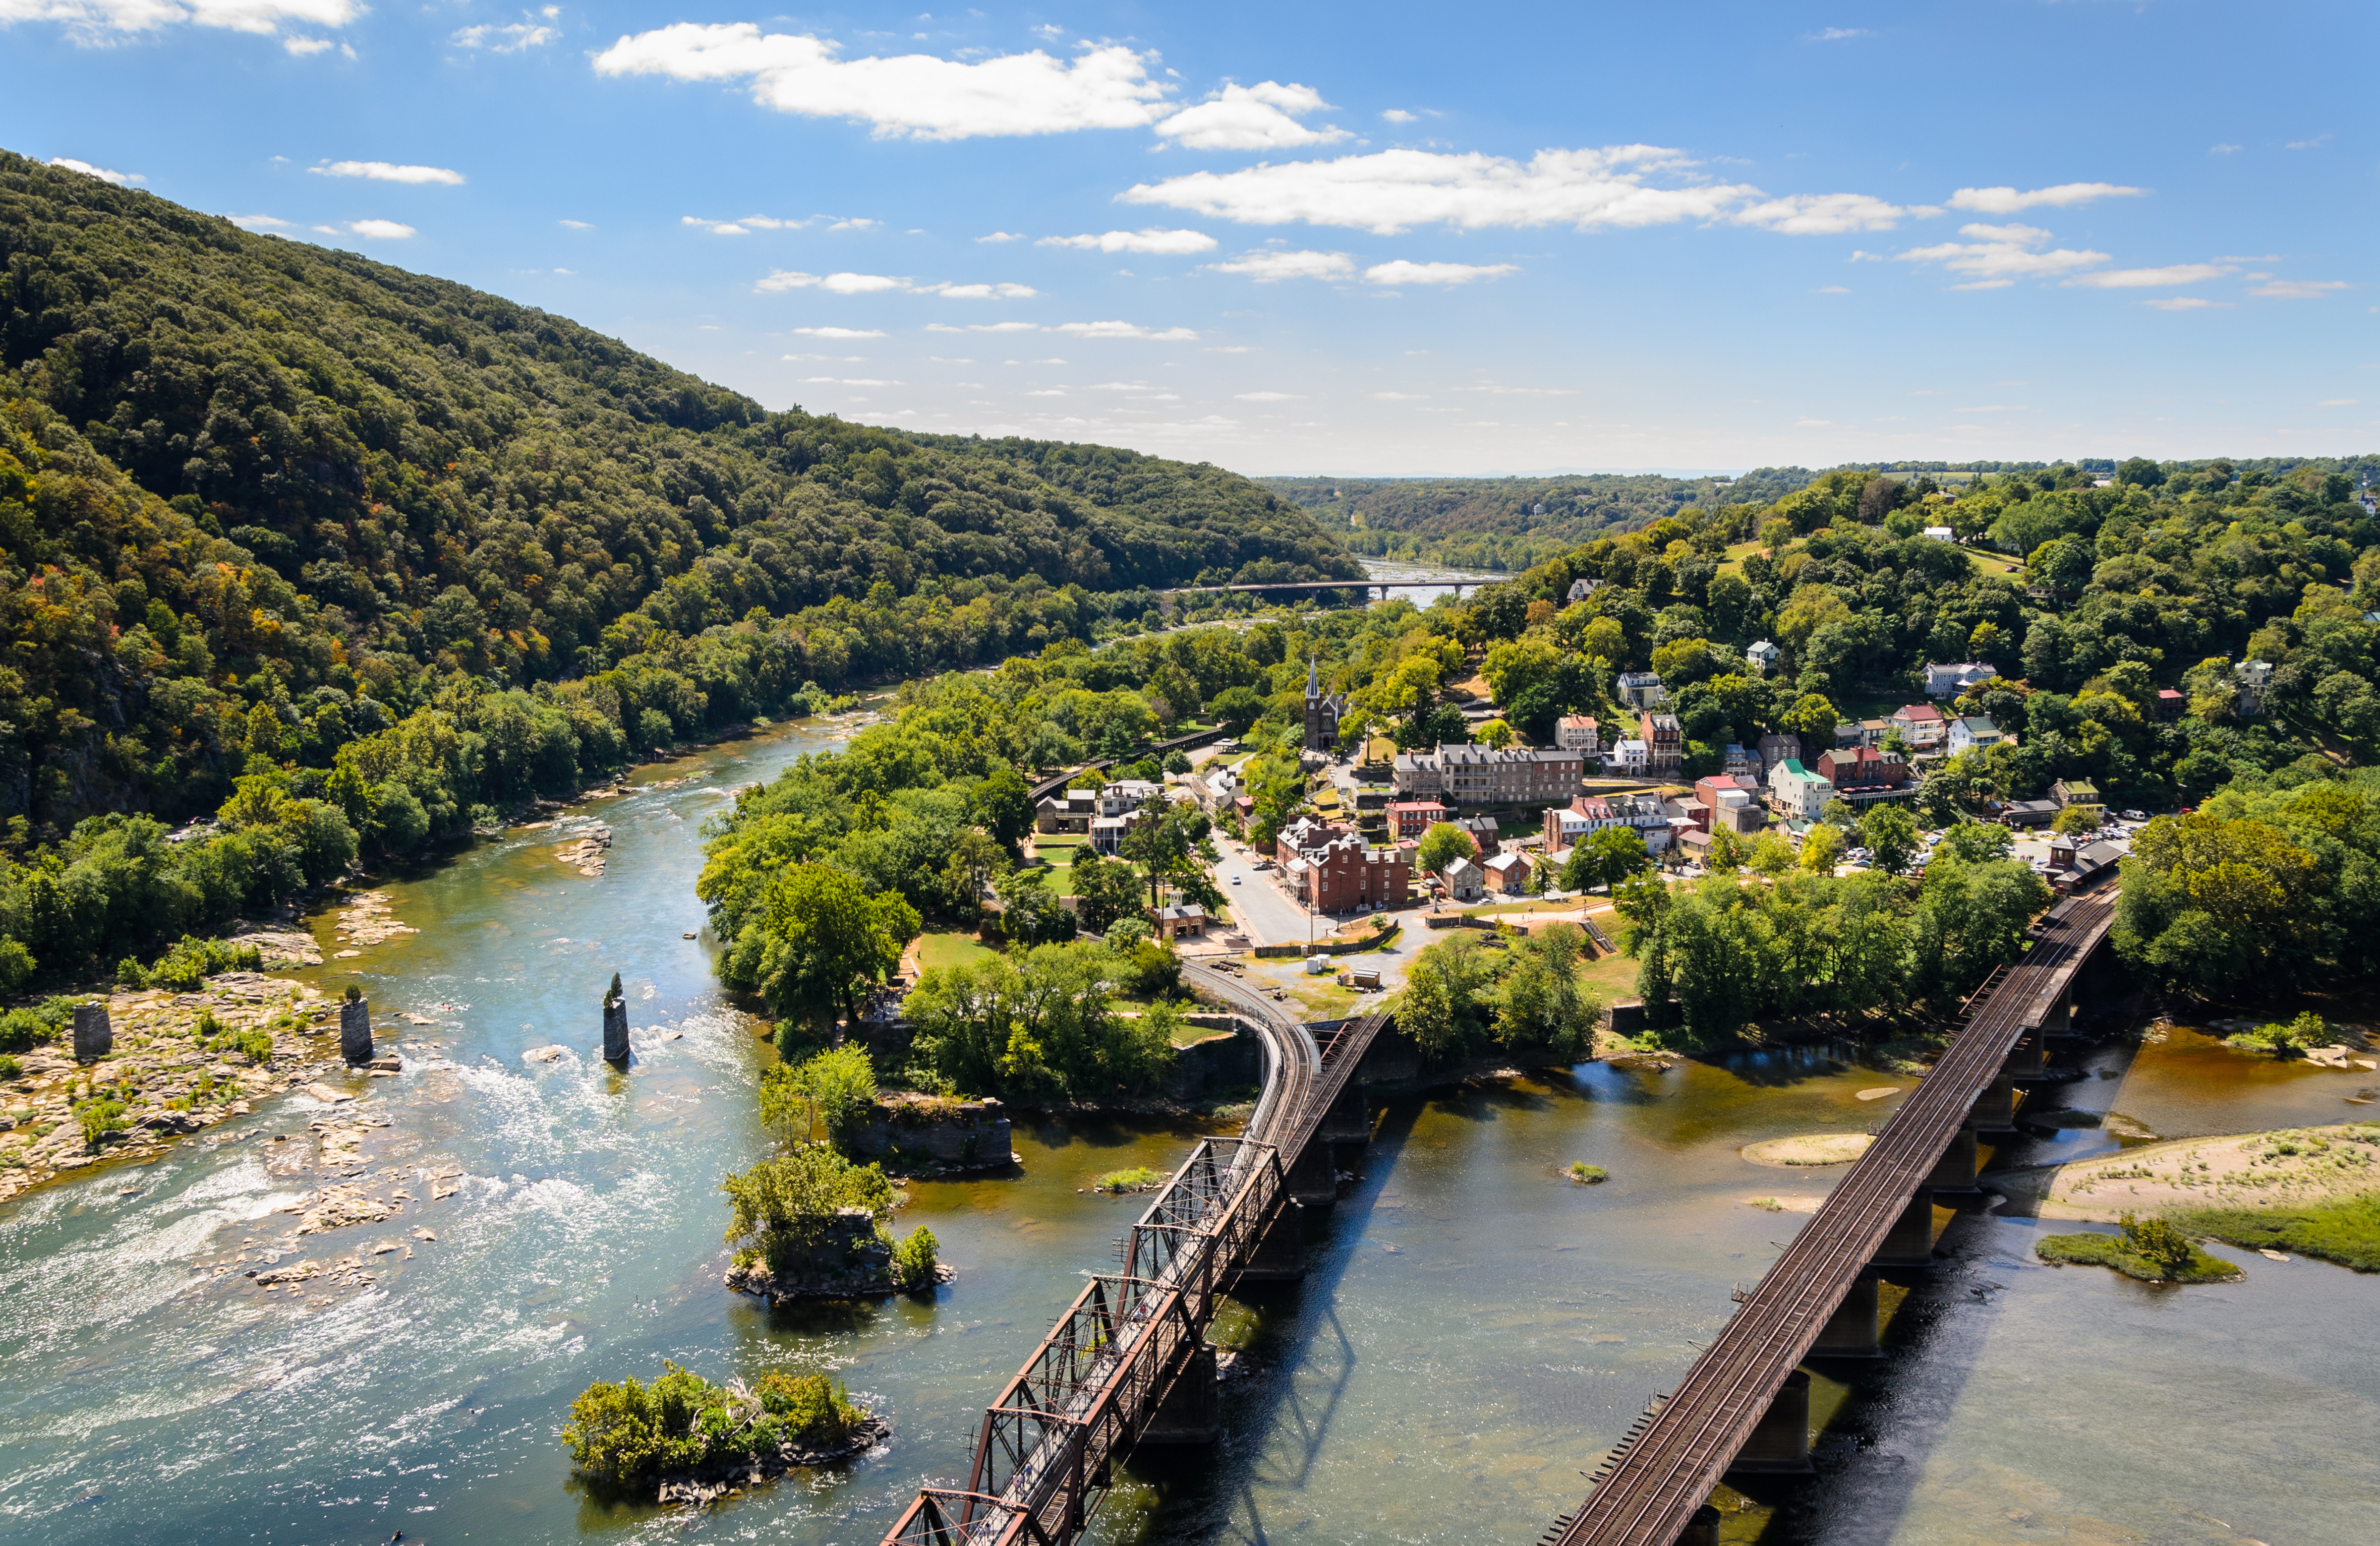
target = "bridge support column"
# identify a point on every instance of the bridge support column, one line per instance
(1851, 1331)
(1314, 1179)
(1910, 1242)
(1280, 1254)
(1780, 1444)
(2029, 1060)
(1994, 1109)
(1189, 1412)
(94, 1038)
(1349, 1119)
(1702, 1530)
(1955, 1171)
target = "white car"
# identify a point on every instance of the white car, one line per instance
(1235, 879)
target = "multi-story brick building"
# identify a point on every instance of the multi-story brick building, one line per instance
(1665, 742)
(1517, 776)
(1866, 774)
(1343, 871)
(1581, 734)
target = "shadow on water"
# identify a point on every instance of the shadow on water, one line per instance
(1783, 1067)
(1278, 1416)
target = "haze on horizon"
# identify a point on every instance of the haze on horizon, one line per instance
(1576, 237)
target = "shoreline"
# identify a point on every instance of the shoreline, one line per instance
(2281, 1167)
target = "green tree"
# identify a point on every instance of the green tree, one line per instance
(1004, 805)
(1605, 857)
(1105, 891)
(1441, 846)
(835, 1088)
(817, 939)
(1889, 835)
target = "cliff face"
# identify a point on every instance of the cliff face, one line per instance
(912, 1133)
(850, 1258)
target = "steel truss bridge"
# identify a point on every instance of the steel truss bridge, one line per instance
(1134, 1340)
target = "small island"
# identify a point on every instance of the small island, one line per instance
(2153, 1250)
(683, 1439)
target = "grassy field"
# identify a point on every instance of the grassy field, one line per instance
(1994, 562)
(1731, 561)
(949, 950)
(1614, 977)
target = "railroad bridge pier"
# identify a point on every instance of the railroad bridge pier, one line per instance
(1743, 1408)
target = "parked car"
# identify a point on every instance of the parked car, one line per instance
(2136, 815)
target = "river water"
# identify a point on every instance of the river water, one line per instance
(1475, 1332)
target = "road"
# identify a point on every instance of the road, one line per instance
(1270, 915)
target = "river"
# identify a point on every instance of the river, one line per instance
(1475, 1332)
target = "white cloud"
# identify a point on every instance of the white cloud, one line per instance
(986, 327)
(1126, 330)
(2188, 303)
(87, 170)
(2151, 279)
(1270, 397)
(575, 225)
(505, 40)
(979, 292)
(914, 95)
(98, 21)
(1400, 396)
(1837, 34)
(380, 230)
(2000, 255)
(2226, 149)
(1260, 118)
(2299, 289)
(847, 381)
(2313, 144)
(1803, 215)
(1389, 192)
(1996, 408)
(1150, 238)
(2008, 200)
(303, 46)
(854, 222)
(387, 172)
(839, 332)
(837, 284)
(258, 222)
(1002, 235)
(1834, 289)
(1397, 115)
(1402, 272)
(1266, 267)
(2335, 402)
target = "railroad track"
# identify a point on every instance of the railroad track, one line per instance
(1647, 1491)
(1045, 1455)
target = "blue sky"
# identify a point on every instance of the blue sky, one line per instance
(1386, 240)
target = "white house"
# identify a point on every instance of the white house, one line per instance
(1465, 881)
(2253, 677)
(1762, 655)
(1581, 589)
(1941, 533)
(1628, 755)
(1579, 733)
(1797, 793)
(1972, 732)
(1950, 681)
(1642, 689)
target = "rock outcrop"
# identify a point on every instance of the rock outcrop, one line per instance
(927, 1135)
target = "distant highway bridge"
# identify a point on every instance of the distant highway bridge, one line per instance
(1744, 1405)
(1128, 1362)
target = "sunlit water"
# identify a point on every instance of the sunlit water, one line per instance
(1475, 1330)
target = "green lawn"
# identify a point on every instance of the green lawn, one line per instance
(1994, 562)
(949, 950)
(1612, 978)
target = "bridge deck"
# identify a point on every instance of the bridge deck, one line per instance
(1648, 1490)
(1048, 1445)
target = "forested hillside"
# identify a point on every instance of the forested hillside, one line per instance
(242, 472)
(1510, 523)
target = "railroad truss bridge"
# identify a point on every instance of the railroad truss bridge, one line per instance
(1128, 1363)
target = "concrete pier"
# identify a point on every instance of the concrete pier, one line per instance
(1779, 1445)
(1955, 1171)
(1910, 1242)
(615, 1032)
(355, 1030)
(1190, 1412)
(1702, 1530)
(93, 1036)
(1279, 1256)
(1314, 1179)
(1851, 1331)
(1349, 1119)
(1994, 1109)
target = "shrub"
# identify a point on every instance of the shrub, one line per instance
(912, 1261)
(1130, 1180)
(627, 1435)
(784, 1202)
(11, 1069)
(256, 1044)
(836, 1088)
(812, 1409)
(2345, 1230)
(99, 1116)
(2308, 1029)
(2153, 1250)
(16, 966)
(1586, 1174)
(22, 1029)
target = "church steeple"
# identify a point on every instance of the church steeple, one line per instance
(1313, 677)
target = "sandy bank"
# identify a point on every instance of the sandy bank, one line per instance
(2293, 1165)
(1811, 1149)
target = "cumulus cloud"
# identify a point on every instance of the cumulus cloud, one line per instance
(1389, 192)
(1266, 267)
(1126, 330)
(102, 20)
(258, 221)
(1397, 115)
(1270, 397)
(1837, 34)
(1400, 396)
(380, 230)
(87, 170)
(2009, 200)
(388, 172)
(1147, 239)
(2187, 304)
(1803, 215)
(979, 292)
(987, 327)
(1260, 118)
(575, 225)
(836, 284)
(1402, 272)
(1002, 235)
(1999, 255)
(839, 332)
(505, 40)
(2151, 279)
(302, 47)
(914, 95)
(2299, 289)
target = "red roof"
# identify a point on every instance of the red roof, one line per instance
(1918, 712)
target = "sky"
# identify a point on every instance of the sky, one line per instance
(1389, 239)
